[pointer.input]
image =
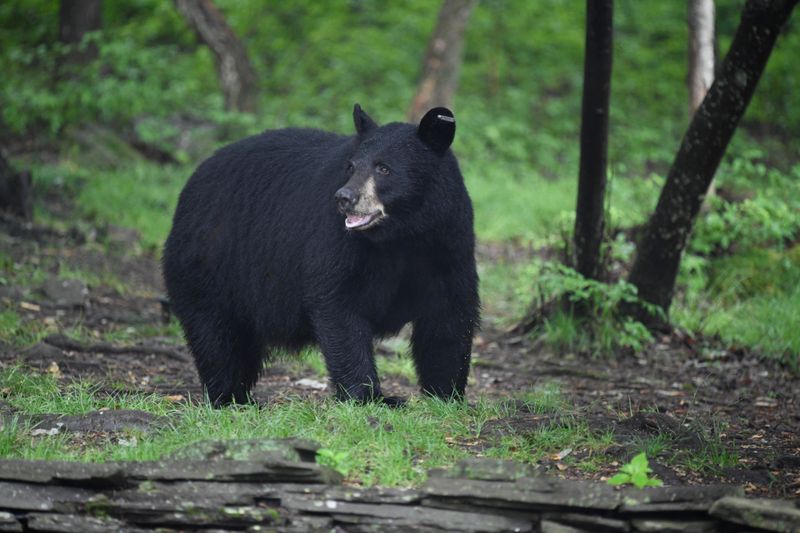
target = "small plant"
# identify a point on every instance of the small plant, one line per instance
(607, 329)
(333, 459)
(636, 473)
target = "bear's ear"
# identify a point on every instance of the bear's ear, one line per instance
(362, 121)
(437, 129)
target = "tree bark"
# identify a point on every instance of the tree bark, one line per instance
(236, 74)
(700, 19)
(656, 266)
(15, 191)
(75, 19)
(589, 213)
(700, 22)
(442, 59)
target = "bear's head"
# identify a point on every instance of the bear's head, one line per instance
(391, 171)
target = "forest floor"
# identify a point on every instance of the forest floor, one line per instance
(703, 412)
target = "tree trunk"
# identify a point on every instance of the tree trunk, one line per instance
(76, 19)
(236, 74)
(700, 19)
(442, 59)
(15, 191)
(589, 215)
(656, 266)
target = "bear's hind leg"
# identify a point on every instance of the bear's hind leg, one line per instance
(228, 359)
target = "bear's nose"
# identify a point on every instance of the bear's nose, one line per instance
(346, 199)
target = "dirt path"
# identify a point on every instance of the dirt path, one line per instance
(685, 395)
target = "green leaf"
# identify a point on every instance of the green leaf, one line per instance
(619, 479)
(639, 463)
(636, 472)
(639, 479)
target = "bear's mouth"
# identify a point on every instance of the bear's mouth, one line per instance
(362, 222)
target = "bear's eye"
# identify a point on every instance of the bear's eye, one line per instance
(350, 168)
(382, 169)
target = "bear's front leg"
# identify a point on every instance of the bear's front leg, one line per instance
(346, 343)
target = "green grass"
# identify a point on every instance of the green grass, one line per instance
(17, 331)
(372, 443)
(380, 445)
(309, 361)
(750, 299)
(140, 195)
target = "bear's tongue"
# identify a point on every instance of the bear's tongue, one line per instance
(355, 221)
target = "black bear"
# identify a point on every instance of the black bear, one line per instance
(299, 236)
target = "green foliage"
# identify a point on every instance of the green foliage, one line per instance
(603, 329)
(16, 331)
(141, 195)
(637, 473)
(764, 214)
(333, 459)
(139, 53)
(739, 279)
(517, 105)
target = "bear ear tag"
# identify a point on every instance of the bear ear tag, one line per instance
(437, 129)
(362, 121)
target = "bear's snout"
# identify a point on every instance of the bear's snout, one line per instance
(346, 199)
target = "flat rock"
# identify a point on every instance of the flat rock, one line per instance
(57, 472)
(656, 525)
(529, 494)
(375, 495)
(8, 522)
(35, 497)
(407, 516)
(41, 351)
(108, 421)
(231, 470)
(772, 515)
(591, 522)
(248, 450)
(686, 498)
(72, 523)
(549, 526)
(485, 469)
(66, 292)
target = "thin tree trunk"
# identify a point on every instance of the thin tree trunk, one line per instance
(75, 19)
(700, 21)
(236, 74)
(15, 191)
(589, 215)
(656, 266)
(443, 59)
(700, 18)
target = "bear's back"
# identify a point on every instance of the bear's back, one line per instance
(248, 211)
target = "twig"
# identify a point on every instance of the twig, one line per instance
(65, 343)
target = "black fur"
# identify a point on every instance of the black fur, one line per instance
(258, 257)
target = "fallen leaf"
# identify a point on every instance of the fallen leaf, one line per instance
(54, 370)
(47, 432)
(175, 398)
(560, 455)
(29, 306)
(129, 442)
(311, 384)
(765, 401)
